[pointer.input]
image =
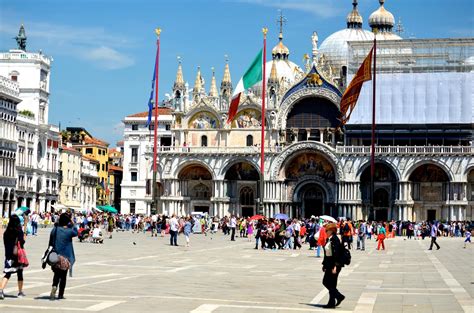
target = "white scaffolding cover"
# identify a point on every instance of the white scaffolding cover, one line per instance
(418, 98)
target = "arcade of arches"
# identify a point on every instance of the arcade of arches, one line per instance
(307, 185)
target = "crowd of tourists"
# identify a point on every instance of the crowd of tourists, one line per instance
(328, 237)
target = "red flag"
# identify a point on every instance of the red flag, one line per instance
(350, 96)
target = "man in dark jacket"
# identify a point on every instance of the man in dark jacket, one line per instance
(332, 265)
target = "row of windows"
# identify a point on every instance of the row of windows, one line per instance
(7, 104)
(29, 180)
(8, 117)
(21, 135)
(99, 151)
(150, 127)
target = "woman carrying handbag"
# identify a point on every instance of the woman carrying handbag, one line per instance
(61, 241)
(13, 240)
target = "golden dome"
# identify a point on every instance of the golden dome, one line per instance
(280, 51)
(354, 19)
(382, 20)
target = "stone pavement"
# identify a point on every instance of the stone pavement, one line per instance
(217, 275)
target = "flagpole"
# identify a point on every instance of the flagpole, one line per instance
(154, 207)
(262, 141)
(372, 150)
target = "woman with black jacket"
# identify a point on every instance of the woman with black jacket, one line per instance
(332, 265)
(11, 237)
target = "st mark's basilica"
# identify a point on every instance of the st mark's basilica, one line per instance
(424, 152)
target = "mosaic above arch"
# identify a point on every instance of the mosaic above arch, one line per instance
(203, 120)
(309, 163)
(248, 118)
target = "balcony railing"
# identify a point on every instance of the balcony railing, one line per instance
(213, 150)
(406, 150)
(352, 150)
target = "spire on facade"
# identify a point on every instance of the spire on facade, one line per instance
(226, 80)
(198, 82)
(21, 38)
(213, 89)
(226, 84)
(273, 79)
(179, 82)
(354, 19)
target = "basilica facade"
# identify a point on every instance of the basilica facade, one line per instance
(424, 154)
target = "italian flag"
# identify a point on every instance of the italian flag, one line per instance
(252, 76)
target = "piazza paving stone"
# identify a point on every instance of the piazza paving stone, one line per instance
(217, 275)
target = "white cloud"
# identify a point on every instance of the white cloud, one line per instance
(108, 58)
(320, 8)
(95, 44)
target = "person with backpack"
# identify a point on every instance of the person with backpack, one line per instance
(61, 241)
(347, 233)
(13, 239)
(334, 260)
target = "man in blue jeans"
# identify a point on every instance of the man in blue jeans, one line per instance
(361, 236)
(174, 227)
(34, 223)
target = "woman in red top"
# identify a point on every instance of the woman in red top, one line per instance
(321, 240)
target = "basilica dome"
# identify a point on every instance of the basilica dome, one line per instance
(336, 47)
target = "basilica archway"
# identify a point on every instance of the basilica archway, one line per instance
(470, 194)
(195, 184)
(384, 194)
(430, 189)
(242, 179)
(310, 177)
(310, 118)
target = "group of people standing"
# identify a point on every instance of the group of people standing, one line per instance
(59, 255)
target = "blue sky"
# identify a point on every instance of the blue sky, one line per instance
(104, 50)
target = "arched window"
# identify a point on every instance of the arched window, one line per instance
(203, 141)
(246, 196)
(249, 140)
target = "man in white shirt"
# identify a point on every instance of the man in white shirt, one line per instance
(232, 225)
(34, 223)
(154, 220)
(174, 227)
(297, 228)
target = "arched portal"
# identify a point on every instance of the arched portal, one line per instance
(196, 186)
(312, 200)
(310, 119)
(385, 192)
(429, 190)
(311, 179)
(470, 195)
(242, 185)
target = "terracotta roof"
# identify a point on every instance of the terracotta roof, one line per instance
(115, 168)
(161, 111)
(120, 143)
(88, 158)
(112, 151)
(95, 141)
(66, 148)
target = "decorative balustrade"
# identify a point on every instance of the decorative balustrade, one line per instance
(9, 87)
(212, 150)
(341, 150)
(406, 150)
